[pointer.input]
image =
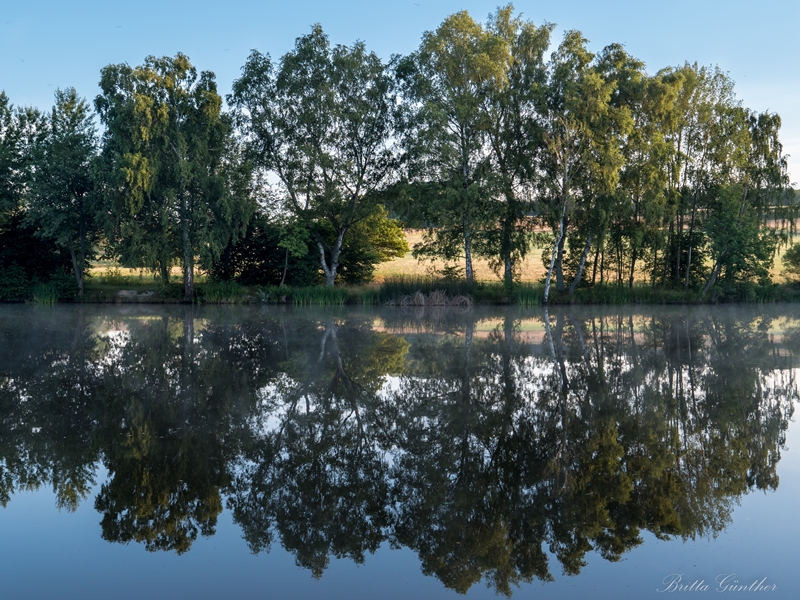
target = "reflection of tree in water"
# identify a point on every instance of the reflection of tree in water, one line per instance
(319, 477)
(481, 451)
(46, 389)
(605, 432)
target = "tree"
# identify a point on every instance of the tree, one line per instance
(444, 85)
(580, 156)
(513, 132)
(24, 257)
(322, 122)
(176, 183)
(61, 202)
(633, 213)
(376, 239)
(275, 251)
(19, 130)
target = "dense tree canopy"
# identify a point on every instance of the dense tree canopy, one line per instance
(492, 138)
(321, 121)
(62, 203)
(175, 184)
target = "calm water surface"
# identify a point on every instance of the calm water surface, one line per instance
(170, 452)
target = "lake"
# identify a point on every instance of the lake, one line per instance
(271, 452)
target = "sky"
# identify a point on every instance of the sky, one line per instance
(45, 45)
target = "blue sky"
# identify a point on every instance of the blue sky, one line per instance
(46, 45)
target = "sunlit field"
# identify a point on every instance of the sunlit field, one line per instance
(531, 270)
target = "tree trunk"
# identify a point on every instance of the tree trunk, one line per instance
(691, 236)
(553, 257)
(594, 264)
(81, 257)
(633, 267)
(508, 274)
(330, 270)
(188, 258)
(506, 245)
(679, 239)
(713, 278)
(285, 267)
(164, 273)
(602, 262)
(468, 253)
(78, 278)
(560, 257)
(581, 265)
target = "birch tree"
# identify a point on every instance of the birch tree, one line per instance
(176, 184)
(444, 84)
(321, 121)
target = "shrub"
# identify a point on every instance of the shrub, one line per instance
(14, 285)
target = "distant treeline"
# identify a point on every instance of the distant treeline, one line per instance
(494, 145)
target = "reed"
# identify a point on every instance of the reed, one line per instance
(527, 295)
(370, 296)
(224, 292)
(394, 289)
(620, 294)
(45, 294)
(319, 296)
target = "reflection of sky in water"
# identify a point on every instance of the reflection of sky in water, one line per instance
(44, 553)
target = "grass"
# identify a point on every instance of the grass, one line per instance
(405, 277)
(638, 294)
(527, 295)
(531, 269)
(370, 296)
(393, 289)
(224, 292)
(318, 296)
(45, 294)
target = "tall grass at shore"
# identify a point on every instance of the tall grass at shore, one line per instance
(319, 296)
(394, 289)
(527, 295)
(224, 292)
(45, 294)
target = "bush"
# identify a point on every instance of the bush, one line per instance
(791, 262)
(14, 285)
(65, 285)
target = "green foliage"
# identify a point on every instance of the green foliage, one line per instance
(623, 176)
(623, 294)
(791, 261)
(45, 293)
(394, 288)
(376, 239)
(65, 285)
(177, 185)
(62, 200)
(319, 296)
(25, 259)
(260, 256)
(271, 253)
(445, 83)
(528, 295)
(321, 122)
(14, 285)
(370, 296)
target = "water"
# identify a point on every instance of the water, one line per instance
(151, 451)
